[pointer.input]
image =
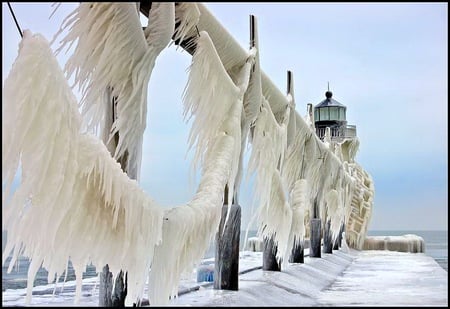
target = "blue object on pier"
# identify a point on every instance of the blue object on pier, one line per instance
(205, 273)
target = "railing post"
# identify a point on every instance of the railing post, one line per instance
(336, 244)
(327, 238)
(315, 234)
(297, 254)
(226, 270)
(106, 296)
(314, 250)
(269, 255)
(340, 235)
(105, 288)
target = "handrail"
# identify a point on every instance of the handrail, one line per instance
(230, 52)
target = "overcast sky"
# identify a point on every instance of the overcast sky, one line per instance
(386, 62)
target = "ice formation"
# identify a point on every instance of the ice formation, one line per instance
(299, 206)
(268, 148)
(318, 162)
(216, 102)
(114, 58)
(74, 191)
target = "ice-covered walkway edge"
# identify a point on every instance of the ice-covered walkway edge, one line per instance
(297, 285)
(353, 278)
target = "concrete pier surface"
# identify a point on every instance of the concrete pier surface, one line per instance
(345, 277)
(351, 278)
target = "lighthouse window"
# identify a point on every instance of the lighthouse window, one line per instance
(316, 114)
(324, 114)
(334, 113)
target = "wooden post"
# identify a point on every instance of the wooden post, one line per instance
(315, 233)
(226, 270)
(269, 255)
(327, 238)
(120, 290)
(314, 248)
(338, 241)
(336, 244)
(106, 297)
(297, 254)
(340, 235)
(269, 249)
(105, 288)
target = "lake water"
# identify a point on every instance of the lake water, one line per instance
(436, 246)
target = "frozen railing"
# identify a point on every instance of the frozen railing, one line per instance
(338, 134)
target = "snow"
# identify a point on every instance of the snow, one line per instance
(354, 278)
(357, 278)
(389, 278)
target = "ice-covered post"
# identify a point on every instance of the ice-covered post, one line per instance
(340, 234)
(327, 238)
(338, 241)
(106, 296)
(226, 270)
(297, 251)
(315, 233)
(269, 255)
(105, 288)
(336, 244)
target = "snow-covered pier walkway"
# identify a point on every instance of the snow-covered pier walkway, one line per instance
(354, 278)
(343, 278)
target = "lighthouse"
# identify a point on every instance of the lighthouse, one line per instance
(330, 113)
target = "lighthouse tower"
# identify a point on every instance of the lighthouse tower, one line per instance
(330, 113)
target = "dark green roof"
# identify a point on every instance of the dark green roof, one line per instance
(329, 101)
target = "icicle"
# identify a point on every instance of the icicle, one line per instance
(291, 123)
(253, 95)
(67, 180)
(188, 229)
(112, 54)
(359, 212)
(332, 202)
(299, 206)
(242, 82)
(276, 216)
(297, 160)
(187, 16)
(161, 25)
(268, 149)
(208, 80)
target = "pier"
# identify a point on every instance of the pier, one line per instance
(353, 278)
(344, 278)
